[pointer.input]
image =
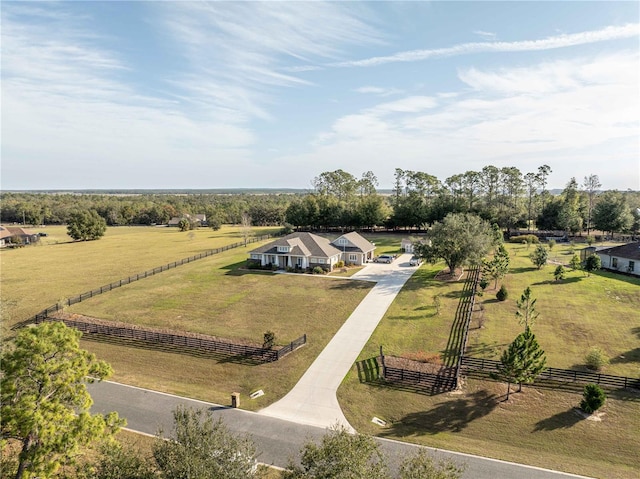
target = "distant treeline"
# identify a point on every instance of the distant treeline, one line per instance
(338, 199)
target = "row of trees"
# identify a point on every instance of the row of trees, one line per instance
(504, 196)
(45, 412)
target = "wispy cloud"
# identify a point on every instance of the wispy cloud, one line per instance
(261, 45)
(567, 112)
(559, 41)
(488, 35)
(379, 91)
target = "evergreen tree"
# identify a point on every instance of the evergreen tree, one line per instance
(522, 361)
(526, 312)
(45, 403)
(539, 256)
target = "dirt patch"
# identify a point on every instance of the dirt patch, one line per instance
(446, 275)
(419, 366)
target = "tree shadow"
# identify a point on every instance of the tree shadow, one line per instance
(558, 283)
(617, 277)
(631, 356)
(562, 420)
(448, 416)
(349, 284)
(522, 269)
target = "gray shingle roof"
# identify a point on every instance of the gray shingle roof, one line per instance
(628, 251)
(302, 244)
(360, 243)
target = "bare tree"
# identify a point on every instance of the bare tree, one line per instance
(246, 227)
(590, 184)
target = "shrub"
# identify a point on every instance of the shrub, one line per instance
(559, 273)
(269, 340)
(596, 359)
(317, 270)
(483, 283)
(253, 265)
(290, 269)
(528, 239)
(551, 244)
(593, 398)
(502, 293)
(340, 264)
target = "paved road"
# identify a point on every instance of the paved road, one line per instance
(278, 440)
(313, 400)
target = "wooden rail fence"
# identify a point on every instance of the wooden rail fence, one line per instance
(197, 343)
(558, 375)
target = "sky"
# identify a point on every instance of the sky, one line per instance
(179, 94)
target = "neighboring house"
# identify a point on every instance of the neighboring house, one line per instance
(306, 250)
(407, 244)
(199, 220)
(625, 258)
(17, 235)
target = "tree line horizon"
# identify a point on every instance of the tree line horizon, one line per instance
(338, 199)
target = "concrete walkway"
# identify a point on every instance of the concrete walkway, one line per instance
(313, 400)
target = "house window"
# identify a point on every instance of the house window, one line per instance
(299, 261)
(320, 260)
(342, 241)
(255, 256)
(283, 249)
(614, 263)
(632, 266)
(353, 257)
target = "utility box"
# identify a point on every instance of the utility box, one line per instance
(235, 399)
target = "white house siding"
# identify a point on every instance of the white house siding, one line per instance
(617, 263)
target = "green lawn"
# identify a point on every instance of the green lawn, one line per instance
(538, 426)
(36, 277)
(576, 314)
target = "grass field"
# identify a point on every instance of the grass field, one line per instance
(214, 296)
(539, 426)
(210, 296)
(576, 314)
(36, 277)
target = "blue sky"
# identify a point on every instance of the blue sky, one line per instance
(270, 94)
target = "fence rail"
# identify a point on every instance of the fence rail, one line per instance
(201, 343)
(45, 313)
(444, 382)
(559, 375)
(473, 278)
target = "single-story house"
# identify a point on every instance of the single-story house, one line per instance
(307, 250)
(17, 235)
(199, 220)
(624, 258)
(407, 244)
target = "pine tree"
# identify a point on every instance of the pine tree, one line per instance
(527, 313)
(522, 361)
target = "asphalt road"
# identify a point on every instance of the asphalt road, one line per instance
(278, 441)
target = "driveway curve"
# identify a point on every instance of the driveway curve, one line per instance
(313, 401)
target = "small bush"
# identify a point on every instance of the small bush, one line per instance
(559, 273)
(269, 340)
(551, 244)
(290, 269)
(253, 265)
(502, 293)
(340, 264)
(528, 239)
(483, 283)
(317, 270)
(596, 359)
(593, 398)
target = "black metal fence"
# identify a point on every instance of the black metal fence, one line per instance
(199, 343)
(45, 313)
(559, 375)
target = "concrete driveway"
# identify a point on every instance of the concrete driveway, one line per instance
(313, 401)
